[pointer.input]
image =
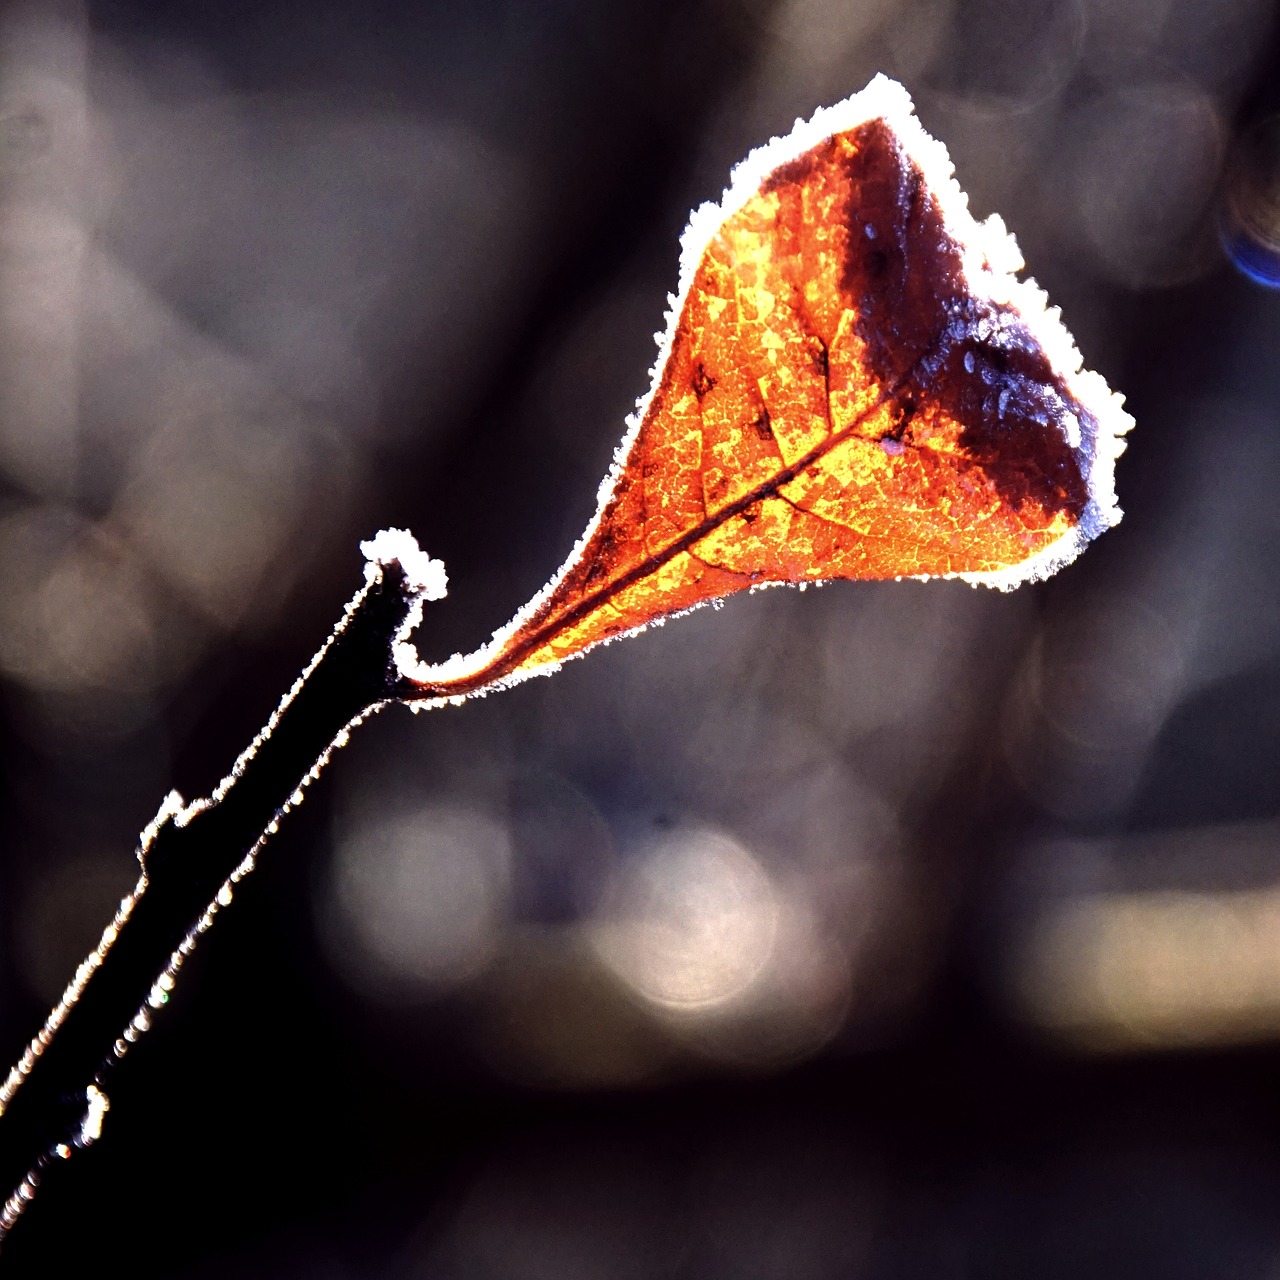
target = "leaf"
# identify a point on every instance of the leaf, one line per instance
(853, 384)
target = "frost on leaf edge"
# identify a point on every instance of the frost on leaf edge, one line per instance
(990, 261)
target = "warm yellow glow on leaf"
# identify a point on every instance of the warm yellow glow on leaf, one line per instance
(853, 385)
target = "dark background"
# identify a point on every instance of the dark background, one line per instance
(891, 930)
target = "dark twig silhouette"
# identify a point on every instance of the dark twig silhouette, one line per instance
(55, 1098)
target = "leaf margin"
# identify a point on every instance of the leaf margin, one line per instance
(990, 260)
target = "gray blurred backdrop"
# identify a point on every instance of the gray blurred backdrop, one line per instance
(878, 932)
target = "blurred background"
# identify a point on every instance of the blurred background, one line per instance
(885, 931)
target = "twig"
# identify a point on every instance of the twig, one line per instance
(54, 1099)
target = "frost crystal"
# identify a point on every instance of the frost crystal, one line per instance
(425, 575)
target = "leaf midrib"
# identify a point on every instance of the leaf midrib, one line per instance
(508, 661)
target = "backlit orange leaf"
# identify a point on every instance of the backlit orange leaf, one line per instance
(853, 384)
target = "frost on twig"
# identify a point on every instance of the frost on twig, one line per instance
(192, 855)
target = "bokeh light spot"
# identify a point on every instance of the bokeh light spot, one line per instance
(1250, 217)
(1146, 166)
(693, 920)
(75, 617)
(419, 898)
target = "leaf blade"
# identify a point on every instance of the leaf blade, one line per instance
(853, 384)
